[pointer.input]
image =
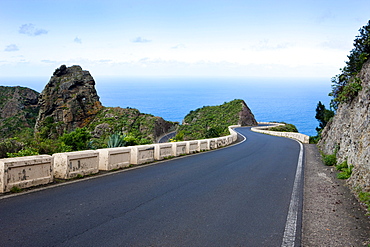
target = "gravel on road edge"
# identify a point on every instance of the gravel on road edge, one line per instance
(331, 214)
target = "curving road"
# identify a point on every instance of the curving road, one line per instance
(235, 196)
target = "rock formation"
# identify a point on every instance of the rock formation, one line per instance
(68, 101)
(18, 109)
(349, 132)
(246, 117)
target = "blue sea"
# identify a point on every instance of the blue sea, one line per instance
(291, 100)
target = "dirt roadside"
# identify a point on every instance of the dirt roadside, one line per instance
(331, 214)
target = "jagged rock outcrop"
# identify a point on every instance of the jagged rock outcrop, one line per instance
(18, 109)
(349, 132)
(68, 101)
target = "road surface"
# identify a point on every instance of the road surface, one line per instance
(234, 196)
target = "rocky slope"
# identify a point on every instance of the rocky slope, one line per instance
(129, 121)
(212, 121)
(18, 109)
(349, 133)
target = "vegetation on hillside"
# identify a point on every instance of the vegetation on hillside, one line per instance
(285, 128)
(345, 86)
(210, 121)
(112, 127)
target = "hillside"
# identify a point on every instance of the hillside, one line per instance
(68, 116)
(18, 110)
(213, 121)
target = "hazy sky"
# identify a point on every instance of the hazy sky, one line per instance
(294, 38)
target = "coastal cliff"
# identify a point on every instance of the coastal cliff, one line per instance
(213, 121)
(348, 133)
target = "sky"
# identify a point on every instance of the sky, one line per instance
(172, 38)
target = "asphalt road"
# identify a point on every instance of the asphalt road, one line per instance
(235, 196)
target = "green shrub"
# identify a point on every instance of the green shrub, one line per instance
(330, 160)
(342, 165)
(77, 139)
(9, 145)
(24, 152)
(346, 172)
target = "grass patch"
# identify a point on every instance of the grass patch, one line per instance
(15, 189)
(364, 197)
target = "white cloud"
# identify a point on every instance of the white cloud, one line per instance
(267, 45)
(48, 61)
(31, 30)
(141, 40)
(11, 47)
(77, 40)
(179, 46)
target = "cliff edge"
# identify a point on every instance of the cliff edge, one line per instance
(349, 133)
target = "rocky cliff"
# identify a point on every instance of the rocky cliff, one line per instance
(68, 101)
(349, 133)
(18, 110)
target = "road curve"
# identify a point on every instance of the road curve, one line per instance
(234, 196)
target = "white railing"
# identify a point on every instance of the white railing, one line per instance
(294, 135)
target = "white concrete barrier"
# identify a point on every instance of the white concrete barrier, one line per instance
(192, 147)
(114, 158)
(72, 164)
(294, 135)
(203, 145)
(179, 148)
(25, 172)
(41, 169)
(163, 150)
(142, 154)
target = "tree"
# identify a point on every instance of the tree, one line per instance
(323, 115)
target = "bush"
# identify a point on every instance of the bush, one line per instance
(77, 139)
(24, 152)
(330, 160)
(346, 170)
(9, 145)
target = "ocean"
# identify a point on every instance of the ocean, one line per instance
(291, 100)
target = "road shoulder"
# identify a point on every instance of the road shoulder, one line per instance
(331, 214)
